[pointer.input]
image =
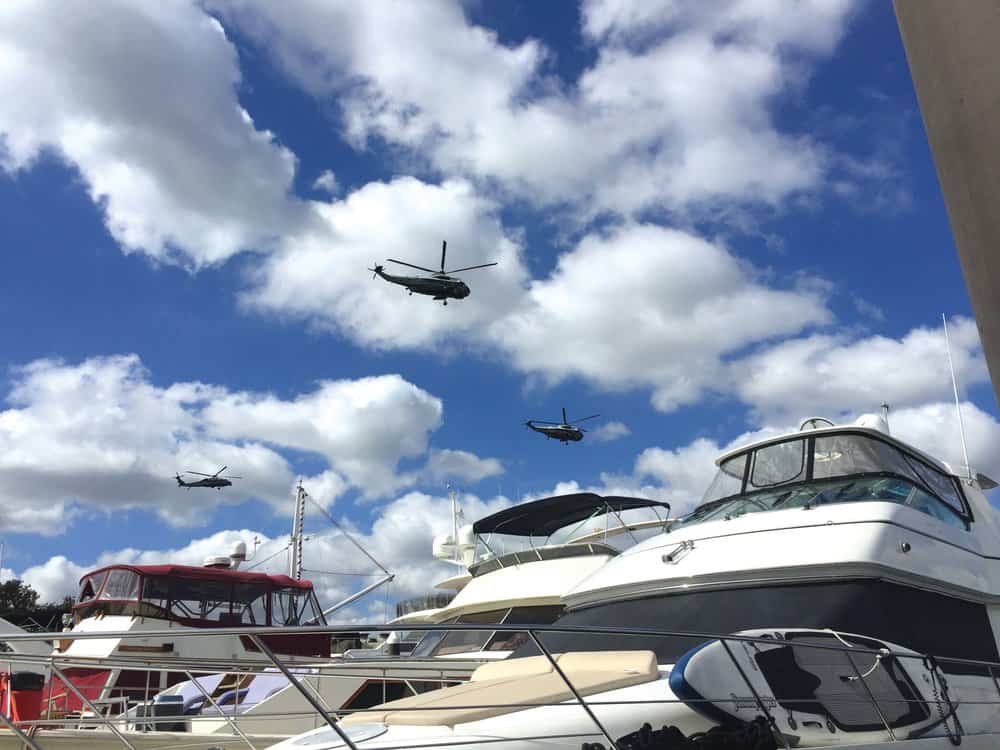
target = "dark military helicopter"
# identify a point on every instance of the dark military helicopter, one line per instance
(211, 480)
(439, 285)
(563, 431)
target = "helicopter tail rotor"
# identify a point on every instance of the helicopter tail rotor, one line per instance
(376, 270)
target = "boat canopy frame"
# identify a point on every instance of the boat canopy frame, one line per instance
(198, 596)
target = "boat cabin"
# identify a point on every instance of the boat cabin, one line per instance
(840, 527)
(198, 597)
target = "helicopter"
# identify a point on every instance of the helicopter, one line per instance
(211, 480)
(438, 285)
(563, 431)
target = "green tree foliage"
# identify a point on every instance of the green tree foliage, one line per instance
(16, 595)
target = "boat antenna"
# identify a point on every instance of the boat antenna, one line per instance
(958, 405)
(454, 521)
(298, 519)
(885, 416)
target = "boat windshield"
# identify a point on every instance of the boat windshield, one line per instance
(830, 468)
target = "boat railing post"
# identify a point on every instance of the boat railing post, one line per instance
(579, 698)
(229, 720)
(756, 696)
(87, 702)
(306, 693)
(871, 696)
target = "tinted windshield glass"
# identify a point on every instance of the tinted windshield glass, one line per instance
(826, 456)
(812, 494)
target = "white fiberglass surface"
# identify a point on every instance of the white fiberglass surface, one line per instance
(326, 737)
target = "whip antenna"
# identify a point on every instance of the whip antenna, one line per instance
(954, 388)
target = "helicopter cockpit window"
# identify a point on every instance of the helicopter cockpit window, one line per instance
(121, 584)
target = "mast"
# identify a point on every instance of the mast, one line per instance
(295, 543)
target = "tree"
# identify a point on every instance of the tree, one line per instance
(16, 595)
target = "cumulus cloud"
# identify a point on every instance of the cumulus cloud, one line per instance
(327, 182)
(319, 275)
(653, 307)
(462, 465)
(101, 434)
(609, 431)
(399, 537)
(676, 109)
(835, 374)
(141, 99)
(362, 427)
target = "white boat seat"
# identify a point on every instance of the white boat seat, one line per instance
(529, 680)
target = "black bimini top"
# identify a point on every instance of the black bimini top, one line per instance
(546, 516)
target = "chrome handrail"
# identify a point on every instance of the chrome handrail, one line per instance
(296, 669)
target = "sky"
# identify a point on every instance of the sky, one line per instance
(711, 221)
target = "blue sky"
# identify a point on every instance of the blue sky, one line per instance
(709, 220)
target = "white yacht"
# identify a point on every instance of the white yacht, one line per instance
(515, 566)
(836, 582)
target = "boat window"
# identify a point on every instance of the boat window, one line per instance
(806, 459)
(461, 641)
(91, 586)
(294, 607)
(250, 604)
(778, 464)
(728, 481)
(539, 615)
(121, 584)
(199, 600)
(156, 594)
(812, 494)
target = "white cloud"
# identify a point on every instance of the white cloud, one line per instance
(934, 428)
(833, 375)
(141, 99)
(648, 306)
(462, 465)
(327, 182)
(100, 434)
(609, 431)
(362, 427)
(399, 537)
(680, 117)
(319, 274)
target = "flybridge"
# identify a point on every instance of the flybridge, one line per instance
(197, 596)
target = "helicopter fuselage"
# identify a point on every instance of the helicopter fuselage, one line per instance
(217, 482)
(563, 432)
(438, 286)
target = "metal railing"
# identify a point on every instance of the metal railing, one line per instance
(302, 672)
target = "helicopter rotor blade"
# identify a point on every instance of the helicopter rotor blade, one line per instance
(565, 421)
(584, 419)
(470, 268)
(444, 249)
(198, 473)
(403, 263)
(220, 471)
(230, 476)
